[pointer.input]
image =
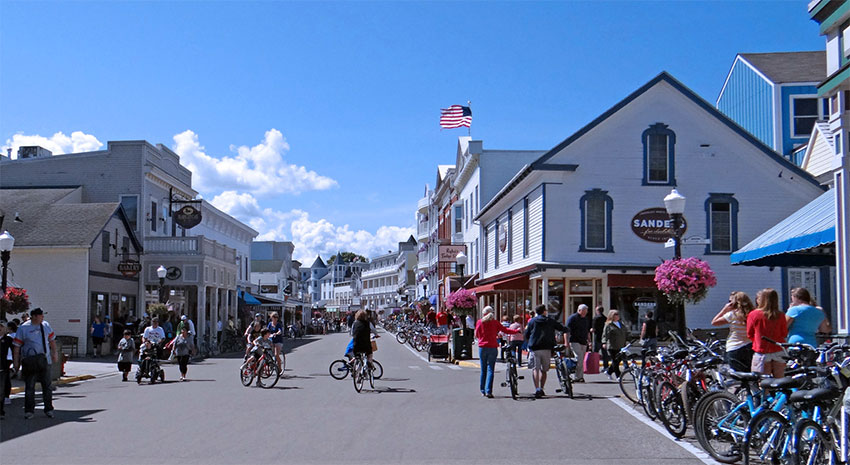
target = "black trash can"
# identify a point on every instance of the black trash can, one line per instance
(462, 344)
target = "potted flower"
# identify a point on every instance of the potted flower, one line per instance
(15, 301)
(462, 302)
(684, 280)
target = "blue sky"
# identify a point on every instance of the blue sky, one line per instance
(317, 122)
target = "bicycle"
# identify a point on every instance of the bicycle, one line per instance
(564, 367)
(361, 372)
(263, 368)
(511, 376)
(340, 368)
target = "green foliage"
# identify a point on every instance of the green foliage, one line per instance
(348, 257)
(158, 310)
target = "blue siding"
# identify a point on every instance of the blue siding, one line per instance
(748, 100)
(786, 93)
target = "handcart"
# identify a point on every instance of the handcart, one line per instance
(439, 347)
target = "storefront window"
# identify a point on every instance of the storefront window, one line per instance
(556, 296)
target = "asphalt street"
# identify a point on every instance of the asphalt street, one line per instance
(419, 413)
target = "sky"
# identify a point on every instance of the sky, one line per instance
(317, 122)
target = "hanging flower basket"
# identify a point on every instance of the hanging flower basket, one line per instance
(685, 280)
(461, 302)
(15, 301)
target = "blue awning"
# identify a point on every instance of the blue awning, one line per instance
(247, 298)
(796, 240)
(433, 299)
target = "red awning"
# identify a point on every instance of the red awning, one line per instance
(632, 280)
(520, 283)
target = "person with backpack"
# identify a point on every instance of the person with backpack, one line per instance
(540, 334)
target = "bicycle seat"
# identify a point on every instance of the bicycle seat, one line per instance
(815, 396)
(783, 383)
(744, 376)
(708, 362)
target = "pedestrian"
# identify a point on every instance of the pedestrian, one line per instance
(126, 349)
(443, 322)
(185, 321)
(598, 327)
(739, 348)
(34, 350)
(5, 365)
(517, 340)
(804, 319)
(183, 349)
(613, 339)
(7, 355)
(767, 321)
(155, 335)
(470, 321)
(487, 332)
(276, 329)
(97, 335)
(167, 327)
(649, 333)
(577, 337)
(219, 327)
(540, 334)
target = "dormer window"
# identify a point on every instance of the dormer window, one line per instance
(659, 144)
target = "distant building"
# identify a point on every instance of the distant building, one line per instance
(774, 96)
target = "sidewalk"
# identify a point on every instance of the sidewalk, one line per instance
(77, 370)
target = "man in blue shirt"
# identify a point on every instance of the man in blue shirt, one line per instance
(540, 334)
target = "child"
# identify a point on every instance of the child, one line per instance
(260, 343)
(126, 349)
(147, 352)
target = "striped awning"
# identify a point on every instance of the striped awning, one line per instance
(806, 238)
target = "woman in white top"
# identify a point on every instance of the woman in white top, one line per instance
(739, 349)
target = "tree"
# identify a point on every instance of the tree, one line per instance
(348, 257)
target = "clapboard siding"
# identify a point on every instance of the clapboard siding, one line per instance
(748, 100)
(820, 159)
(517, 234)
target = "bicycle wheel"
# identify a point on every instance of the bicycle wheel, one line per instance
(628, 385)
(379, 370)
(513, 381)
(721, 424)
(647, 397)
(370, 375)
(401, 337)
(339, 369)
(671, 409)
(564, 378)
(246, 373)
(357, 375)
(768, 440)
(269, 374)
(811, 444)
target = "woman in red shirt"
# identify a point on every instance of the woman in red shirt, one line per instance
(767, 320)
(487, 332)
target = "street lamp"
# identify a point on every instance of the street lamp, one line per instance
(675, 205)
(6, 244)
(161, 272)
(461, 262)
(424, 287)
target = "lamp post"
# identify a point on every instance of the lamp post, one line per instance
(161, 272)
(424, 282)
(675, 205)
(6, 244)
(461, 262)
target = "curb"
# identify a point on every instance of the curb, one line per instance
(59, 382)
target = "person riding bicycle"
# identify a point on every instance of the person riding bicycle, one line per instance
(261, 343)
(252, 332)
(361, 335)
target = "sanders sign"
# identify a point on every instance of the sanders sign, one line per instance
(655, 225)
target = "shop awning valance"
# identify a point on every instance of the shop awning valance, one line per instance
(806, 238)
(519, 283)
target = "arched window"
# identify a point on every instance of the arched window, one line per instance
(659, 144)
(596, 207)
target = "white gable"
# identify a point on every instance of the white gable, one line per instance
(820, 151)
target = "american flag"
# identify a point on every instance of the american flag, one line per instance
(455, 116)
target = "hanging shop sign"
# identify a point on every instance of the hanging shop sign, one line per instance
(655, 225)
(644, 304)
(448, 253)
(187, 216)
(268, 289)
(129, 268)
(503, 237)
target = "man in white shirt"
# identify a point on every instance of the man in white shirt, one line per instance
(154, 334)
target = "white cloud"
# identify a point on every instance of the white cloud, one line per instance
(58, 143)
(311, 238)
(260, 169)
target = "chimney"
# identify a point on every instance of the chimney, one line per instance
(9, 152)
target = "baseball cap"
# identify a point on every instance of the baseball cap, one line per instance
(36, 311)
(184, 317)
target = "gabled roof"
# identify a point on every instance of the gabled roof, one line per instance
(786, 67)
(50, 221)
(318, 263)
(812, 160)
(541, 163)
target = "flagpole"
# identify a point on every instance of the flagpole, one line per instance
(469, 129)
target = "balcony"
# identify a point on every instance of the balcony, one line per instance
(194, 245)
(423, 204)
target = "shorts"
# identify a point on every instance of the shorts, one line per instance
(278, 346)
(759, 360)
(97, 340)
(542, 359)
